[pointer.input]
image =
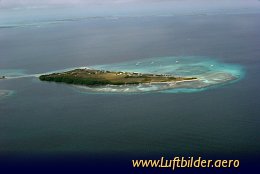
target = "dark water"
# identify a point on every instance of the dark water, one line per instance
(49, 117)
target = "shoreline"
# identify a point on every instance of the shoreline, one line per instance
(96, 77)
(152, 83)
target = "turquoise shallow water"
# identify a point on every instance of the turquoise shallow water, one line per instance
(51, 117)
(12, 72)
(209, 71)
(5, 93)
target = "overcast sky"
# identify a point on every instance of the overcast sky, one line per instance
(137, 5)
(111, 2)
(12, 11)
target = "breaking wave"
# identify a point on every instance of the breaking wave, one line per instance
(210, 73)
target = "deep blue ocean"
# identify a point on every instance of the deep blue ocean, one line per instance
(49, 118)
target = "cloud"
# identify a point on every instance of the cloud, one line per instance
(36, 2)
(6, 3)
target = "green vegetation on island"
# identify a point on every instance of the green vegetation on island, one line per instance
(91, 77)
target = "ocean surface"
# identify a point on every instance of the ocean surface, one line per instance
(42, 117)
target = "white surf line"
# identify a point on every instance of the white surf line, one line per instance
(22, 76)
(39, 74)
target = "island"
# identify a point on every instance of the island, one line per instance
(92, 77)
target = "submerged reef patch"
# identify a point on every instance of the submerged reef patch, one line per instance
(5, 93)
(208, 71)
(12, 73)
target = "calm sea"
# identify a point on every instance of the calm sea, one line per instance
(42, 117)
